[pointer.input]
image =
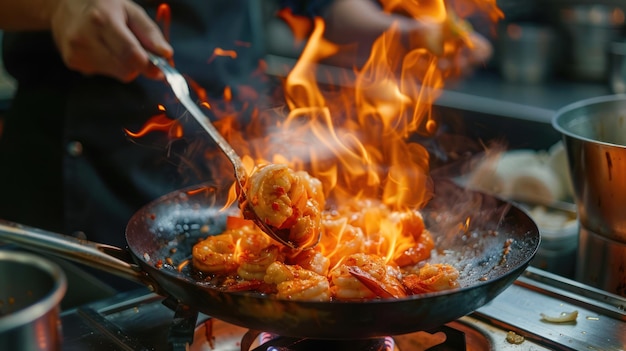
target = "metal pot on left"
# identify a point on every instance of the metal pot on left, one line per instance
(31, 290)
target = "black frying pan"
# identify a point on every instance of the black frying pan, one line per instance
(476, 247)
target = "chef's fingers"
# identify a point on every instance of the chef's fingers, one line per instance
(150, 37)
(79, 29)
(132, 35)
(147, 32)
(424, 33)
(93, 38)
(475, 53)
(480, 50)
(153, 72)
(124, 67)
(129, 56)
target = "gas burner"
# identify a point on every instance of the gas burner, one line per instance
(268, 341)
(466, 333)
(216, 335)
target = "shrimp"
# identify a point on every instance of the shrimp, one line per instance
(313, 188)
(241, 247)
(340, 239)
(254, 252)
(411, 220)
(288, 201)
(363, 276)
(431, 278)
(419, 250)
(389, 287)
(252, 239)
(369, 215)
(215, 254)
(312, 260)
(297, 283)
(253, 264)
(360, 211)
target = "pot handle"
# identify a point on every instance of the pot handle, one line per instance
(104, 257)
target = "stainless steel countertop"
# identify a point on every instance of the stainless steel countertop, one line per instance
(601, 321)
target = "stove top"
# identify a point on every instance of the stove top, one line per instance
(140, 320)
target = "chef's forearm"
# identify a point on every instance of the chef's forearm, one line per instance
(26, 14)
(365, 20)
(350, 20)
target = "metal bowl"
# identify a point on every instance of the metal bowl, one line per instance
(31, 289)
(594, 134)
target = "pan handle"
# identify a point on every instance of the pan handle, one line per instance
(104, 257)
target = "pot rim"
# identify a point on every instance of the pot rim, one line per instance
(42, 306)
(563, 113)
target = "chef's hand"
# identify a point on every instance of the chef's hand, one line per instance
(107, 37)
(362, 21)
(475, 52)
(472, 51)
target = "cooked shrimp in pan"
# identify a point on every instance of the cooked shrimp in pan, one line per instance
(254, 263)
(242, 247)
(215, 254)
(418, 250)
(287, 200)
(366, 249)
(312, 260)
(362, 276)
(297, 283)
(431, 278)
(416, 246)
(341, 239)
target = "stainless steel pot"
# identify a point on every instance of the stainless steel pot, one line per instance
(31, 289)
(589, 28)
(594, 133)
(526, 52)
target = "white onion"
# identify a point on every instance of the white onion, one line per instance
(563, 318)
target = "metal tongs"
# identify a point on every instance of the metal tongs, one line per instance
(181, 89)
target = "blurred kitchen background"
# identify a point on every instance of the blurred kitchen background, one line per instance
(547, 54)
(495, 134)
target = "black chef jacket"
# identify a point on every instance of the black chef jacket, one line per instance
(67, 164)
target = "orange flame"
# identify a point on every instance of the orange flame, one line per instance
(219, 52)
(300, 26)
(368, 140)
(160, 123)
(361, 131)
(200, 91)
(164, 18)
(355, 137)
